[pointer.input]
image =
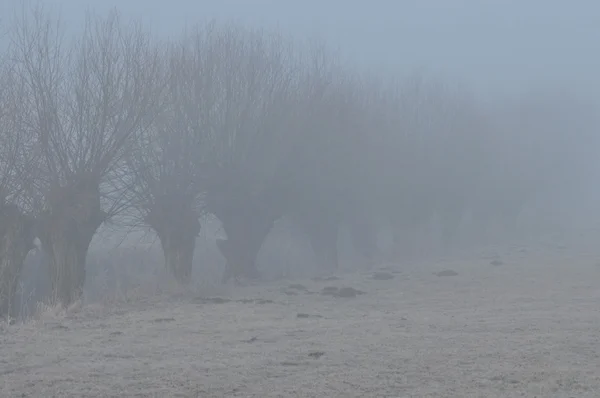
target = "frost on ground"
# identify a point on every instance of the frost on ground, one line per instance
(528, 325)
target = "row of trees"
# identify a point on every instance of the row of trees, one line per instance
(249, 127)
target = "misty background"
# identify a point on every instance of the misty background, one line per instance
(535, 55)
(496, 47)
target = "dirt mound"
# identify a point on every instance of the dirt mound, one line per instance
(382, 276)
(446, 272)
(341, 292)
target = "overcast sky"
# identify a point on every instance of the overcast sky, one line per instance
(494, 45)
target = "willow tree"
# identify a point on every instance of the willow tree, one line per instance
(427, 142)
(244, 102)
(167, 164)
(327, 175)
(455, 142)
(86, 104)
(16, 163)
(541, 147)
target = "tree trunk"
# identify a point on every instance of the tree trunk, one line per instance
(324, 243)
(496, 223)
(245, 237)
(247, 219)
(407, 224)
(450, 218)
(481, 225)
(322, 232)
(404, 242)
(509, 221)
(66, 230)
(177, 232)
(67, 252)
(16, 240)
(364, 239)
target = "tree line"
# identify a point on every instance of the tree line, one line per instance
(250, 127)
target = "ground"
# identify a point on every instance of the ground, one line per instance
(515, 323)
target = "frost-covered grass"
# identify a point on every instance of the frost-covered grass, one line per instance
(528, 327)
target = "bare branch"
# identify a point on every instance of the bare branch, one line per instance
(17, 160)
(86, 104)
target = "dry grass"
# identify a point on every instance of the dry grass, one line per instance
(529, 327)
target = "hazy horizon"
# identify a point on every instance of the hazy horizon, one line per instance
(494, 47)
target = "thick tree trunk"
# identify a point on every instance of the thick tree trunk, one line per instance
(496, 222)
(177, 231)
(324, 245)
(245, 237)
(322, 232)
(450, 219)
(408, 223)
(504, 224)
(16, 240)
(66, 230)
(404, 242)
(247, 219)
(67, 252)
(482, 225)
(364, 239)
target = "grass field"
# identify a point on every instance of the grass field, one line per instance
(528, 326)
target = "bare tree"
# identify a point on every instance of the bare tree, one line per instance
(539, 146)
(16, 162)
(455, 147)
(327, 175)
(250, 80)
(168, 163)
(86, 104)
(428, 144)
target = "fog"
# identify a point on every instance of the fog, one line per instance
(436, 160)
(494, 46)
